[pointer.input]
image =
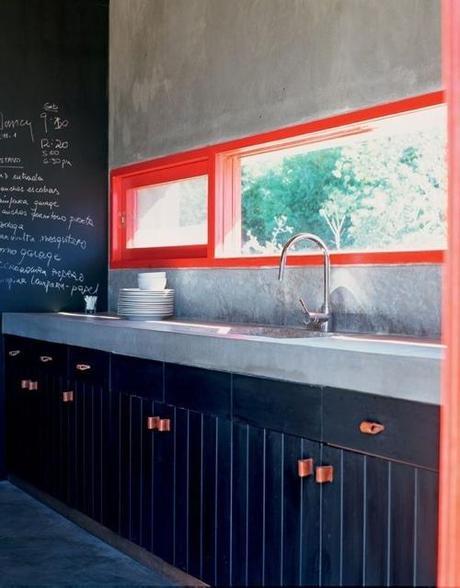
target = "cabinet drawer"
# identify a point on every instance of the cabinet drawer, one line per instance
(89, 365)
(197, 389)
(137, 377)
(49, 357)
(17, 351)
(410, 429)
(281, 406)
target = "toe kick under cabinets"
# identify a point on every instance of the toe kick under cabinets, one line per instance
(237, 480)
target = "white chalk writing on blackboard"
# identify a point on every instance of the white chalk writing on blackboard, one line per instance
(31, 253)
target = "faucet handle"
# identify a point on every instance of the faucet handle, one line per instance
(307, 313)
(316, 320)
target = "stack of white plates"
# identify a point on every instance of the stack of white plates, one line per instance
(135, 304)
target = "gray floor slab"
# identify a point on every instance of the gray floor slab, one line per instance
(39, 547)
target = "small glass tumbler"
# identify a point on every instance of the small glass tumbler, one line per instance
(90, 304)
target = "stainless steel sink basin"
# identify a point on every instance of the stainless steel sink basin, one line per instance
(276, 332)
(268, 331)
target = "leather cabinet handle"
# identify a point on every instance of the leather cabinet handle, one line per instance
(67, 396)
(371, 428)
(46, 358)
(324, 474)
(305, 467)
(83, 367)
(14, 352)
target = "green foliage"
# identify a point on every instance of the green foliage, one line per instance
(387, 192)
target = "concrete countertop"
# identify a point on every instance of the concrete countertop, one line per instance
(400, 368)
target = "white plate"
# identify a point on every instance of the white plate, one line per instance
(153, 317)
(139, 291)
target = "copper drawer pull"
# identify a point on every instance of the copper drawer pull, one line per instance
(305, 467)
(46, 358)
(324, 474)
(152, 423)
(164, 425)
(83, 367)
(67, 396)
(33, 385)
(25, 384)
(14, 352)
(370, 428)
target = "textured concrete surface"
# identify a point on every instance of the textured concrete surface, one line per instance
(391, 299)
(39, 547)
(185, 73)
(398, 369)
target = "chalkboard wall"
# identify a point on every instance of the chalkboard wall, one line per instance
(53, 156)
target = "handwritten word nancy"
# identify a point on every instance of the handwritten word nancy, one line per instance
(12, 124)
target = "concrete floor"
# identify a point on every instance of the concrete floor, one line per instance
(39, 547)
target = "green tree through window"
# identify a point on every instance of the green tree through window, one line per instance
(383, 193)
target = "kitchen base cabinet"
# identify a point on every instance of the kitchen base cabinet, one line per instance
(236, 480)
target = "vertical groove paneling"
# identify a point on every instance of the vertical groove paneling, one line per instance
(124, 443)
(402, 525)
(209, 498)
(292, 508)
(163, 498)
(239, 504)
(376, 522)
(181, 494)
(427, 528)
(331, 519)
(274, 496)
(310, 496)
(352, 518)
(223, 507)
(255, 506)
(148, 448)
(135, 473)
(195, 498)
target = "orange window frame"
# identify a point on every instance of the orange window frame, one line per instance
(221, 164)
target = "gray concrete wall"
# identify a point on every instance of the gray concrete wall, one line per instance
(186, 73)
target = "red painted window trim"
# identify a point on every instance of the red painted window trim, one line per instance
(218, 160)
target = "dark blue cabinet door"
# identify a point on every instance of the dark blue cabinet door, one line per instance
(275, 513)
(87, 419)
(378, 522)
(202, 497)
(144, 474)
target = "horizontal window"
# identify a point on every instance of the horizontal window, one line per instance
(371, 184)
(170, 214)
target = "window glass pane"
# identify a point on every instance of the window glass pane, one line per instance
(170, 214)
(380, 189)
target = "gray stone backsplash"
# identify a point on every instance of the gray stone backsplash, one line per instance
(402, 299)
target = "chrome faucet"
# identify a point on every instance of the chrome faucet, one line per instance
(316, 320)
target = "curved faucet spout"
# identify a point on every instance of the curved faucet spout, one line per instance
(316, 318)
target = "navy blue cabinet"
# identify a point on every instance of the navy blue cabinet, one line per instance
(236, 480)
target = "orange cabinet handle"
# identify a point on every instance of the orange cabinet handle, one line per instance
(67, 396)
(25, 384)
(33, 385)
(152, 423)
(14, 352)
(46, 358)
(164, 425)
(83, 367)
(324, 474)
(370, 428)
(305, 467)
